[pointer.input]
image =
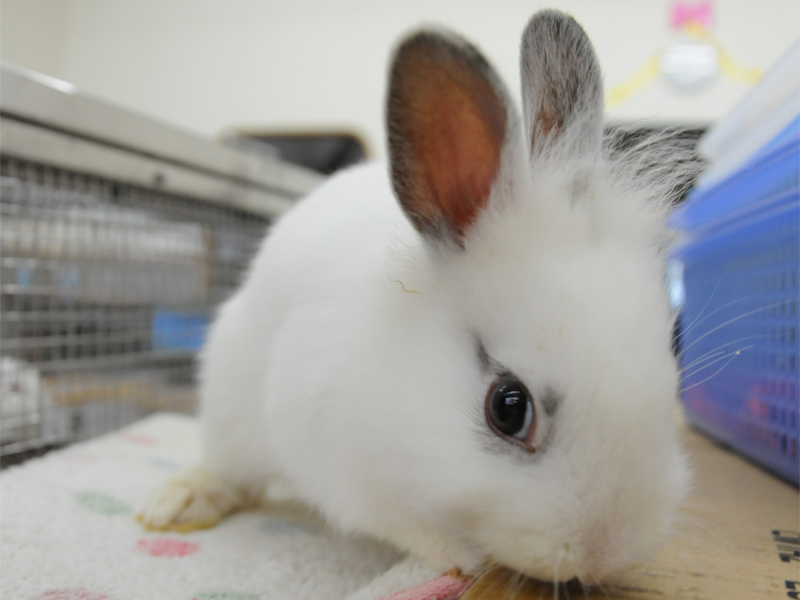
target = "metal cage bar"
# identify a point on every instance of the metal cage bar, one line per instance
(110, 268)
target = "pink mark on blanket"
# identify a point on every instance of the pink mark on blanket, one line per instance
(167, 547)
(72, 594)
(83, 457)
(448, 587)
(138, 438)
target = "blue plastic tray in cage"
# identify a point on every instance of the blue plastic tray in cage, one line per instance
(740, 339)
(179, 330)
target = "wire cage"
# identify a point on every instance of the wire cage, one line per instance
(109, 272)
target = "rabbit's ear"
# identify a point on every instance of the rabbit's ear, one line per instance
(447, 123)
(562, 87)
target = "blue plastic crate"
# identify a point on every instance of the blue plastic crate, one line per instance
(748, 191)
(740, 332)
(789, 133)
(178, 330)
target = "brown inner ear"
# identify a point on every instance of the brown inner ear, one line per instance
(454, 126)
(547, 126)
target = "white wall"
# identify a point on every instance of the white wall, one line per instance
(32, 34)
(209, 65)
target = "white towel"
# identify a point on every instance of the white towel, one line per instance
(68, 533)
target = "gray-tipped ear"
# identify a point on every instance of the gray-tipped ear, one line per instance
(447, 117)
(562, 87)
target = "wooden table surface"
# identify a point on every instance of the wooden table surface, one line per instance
(727, 546)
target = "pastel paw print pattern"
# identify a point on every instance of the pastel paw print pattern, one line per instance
(102, 503)
(139, 439)
(73, 594)
(80, 456)
(167, 547)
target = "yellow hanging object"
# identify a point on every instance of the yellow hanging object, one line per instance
(727, 64)
(652, 68)
(733, 70)
(639, 81)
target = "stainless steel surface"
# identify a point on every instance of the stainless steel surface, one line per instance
(29, 96)
(50, 147)
(118, 238)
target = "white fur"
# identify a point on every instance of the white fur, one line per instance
(345, 370)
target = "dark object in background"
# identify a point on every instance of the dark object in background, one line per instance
(325, 153)
(685, 164)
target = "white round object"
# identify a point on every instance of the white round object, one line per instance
(689, 64)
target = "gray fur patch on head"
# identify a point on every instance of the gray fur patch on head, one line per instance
(550, 402)
(489, 366)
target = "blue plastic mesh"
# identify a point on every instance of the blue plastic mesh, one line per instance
(740, 339)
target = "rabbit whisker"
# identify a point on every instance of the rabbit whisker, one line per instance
(555, 574)
(723, 357)
(692, 324)
(718, 350)
(729, 321)
(604, 588)
(583, 589)
(717, 372)
(728, 304)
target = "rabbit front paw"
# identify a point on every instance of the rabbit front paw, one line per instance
(198, 499)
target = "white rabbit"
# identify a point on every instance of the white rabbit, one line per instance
(467, 353)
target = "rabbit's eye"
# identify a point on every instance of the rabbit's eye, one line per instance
(510, 411)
